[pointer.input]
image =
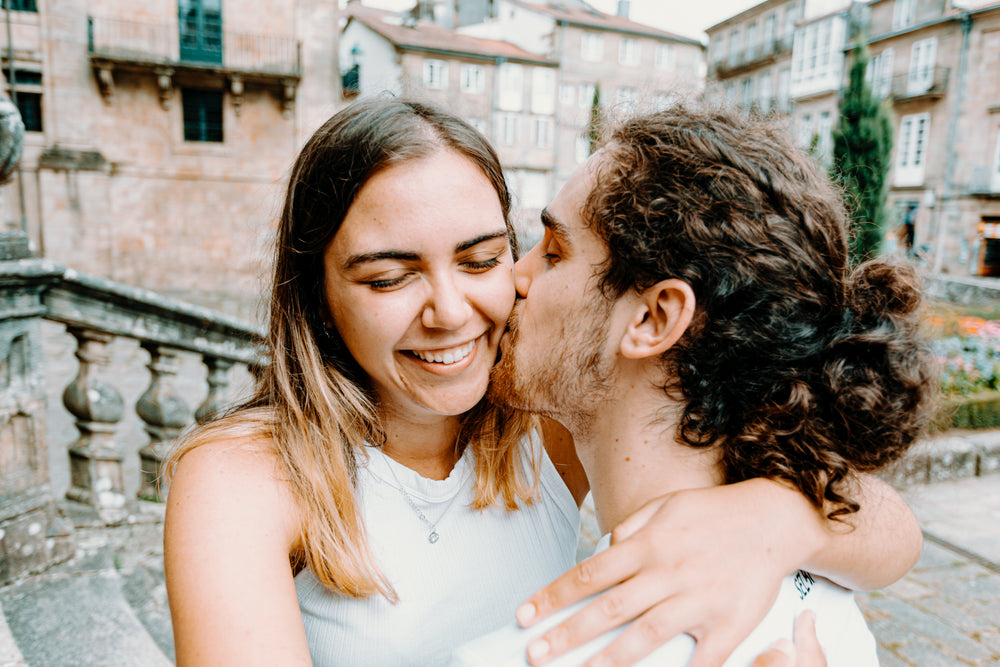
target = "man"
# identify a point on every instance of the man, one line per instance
(694, 273)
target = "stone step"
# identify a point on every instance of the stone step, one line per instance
(78, 613)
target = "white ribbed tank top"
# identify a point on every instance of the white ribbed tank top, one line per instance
(467, 584)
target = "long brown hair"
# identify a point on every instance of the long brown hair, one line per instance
(311, 402)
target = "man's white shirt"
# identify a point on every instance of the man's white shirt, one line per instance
(840, 628)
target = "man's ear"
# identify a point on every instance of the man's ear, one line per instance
(662, 315)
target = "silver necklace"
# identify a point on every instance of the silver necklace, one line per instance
(432, 536)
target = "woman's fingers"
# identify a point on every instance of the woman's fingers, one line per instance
(805, 652)
(780, 654)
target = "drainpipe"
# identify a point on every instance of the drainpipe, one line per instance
(949, 166)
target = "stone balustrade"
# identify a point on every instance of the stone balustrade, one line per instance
(95, 311)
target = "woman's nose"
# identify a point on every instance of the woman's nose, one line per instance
(447, 307)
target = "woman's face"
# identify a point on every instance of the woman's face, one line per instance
(419, 281)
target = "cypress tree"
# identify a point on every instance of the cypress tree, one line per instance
(594, 126)
(862, 149)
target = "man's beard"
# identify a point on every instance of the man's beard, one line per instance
(566, 384)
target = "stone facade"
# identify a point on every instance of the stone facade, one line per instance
(112, 183)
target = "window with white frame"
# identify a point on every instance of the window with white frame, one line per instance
(806, 131)
(582, 149)
(435, 74)
(543, 90)
(592, 47)
(541, 132)
(662, 101)
(567, 93)
(472, 79)
(511, 96)
(766, 90)
(666, 56)
(627, 99)
(921, 75)
(824, 130)
(507, 128)
(720, 48)
(879, 72)
(995, 177)
(784, 78)
(903, 13)
(628, 51)
(791, 18)
(586, 95)
(770, 27)
(752, 40)
(816, 59)
(534, 189)
(911, 156)
(734, 47)
(746, 92)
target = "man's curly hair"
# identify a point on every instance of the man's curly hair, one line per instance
(797, 367)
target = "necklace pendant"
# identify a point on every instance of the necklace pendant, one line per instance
(433, 537)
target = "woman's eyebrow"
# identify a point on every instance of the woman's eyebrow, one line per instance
(377, 255)
(465, 245)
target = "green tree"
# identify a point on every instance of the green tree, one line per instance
(596, 120)
(862, 149)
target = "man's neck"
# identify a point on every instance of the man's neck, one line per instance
(631, 453)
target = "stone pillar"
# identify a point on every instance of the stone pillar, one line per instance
(165, 414)
(218, 389)
(32, 533)
(96, 474)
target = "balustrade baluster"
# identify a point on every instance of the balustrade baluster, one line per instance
(165, 413)
(96, 474)
(218, 388)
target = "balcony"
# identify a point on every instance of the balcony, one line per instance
(753, 56)
(233, 59)
(927, 84)
(985, 183)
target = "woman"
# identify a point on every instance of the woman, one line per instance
(366, 504)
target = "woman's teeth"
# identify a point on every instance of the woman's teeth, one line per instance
(450, 356)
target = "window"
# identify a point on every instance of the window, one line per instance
(567, 93)
(806, 131)
(752, 41)
(746, 92)
(507, 128)
(20, 5)
(770, 26)
(912, 153)
(816, 56)
(766, 91)
(903, 13)
(734, 47)
(662, 101)
(511, 87)
(627, 99)
(995, 178)
(534, 189)
(628, 51)
(879, 73)
(472, 79)
(791, 18)
(784, 78)
(921, 76)
(477, 123)
(543, 90)
(586, 95)
(666, 57)
(202, 110)
(720, 48)
(541, 132)
(582, 149)
(592, 47)
(28, 84)
(435, 74)
(824, 130)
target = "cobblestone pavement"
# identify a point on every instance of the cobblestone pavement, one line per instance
(946, 611)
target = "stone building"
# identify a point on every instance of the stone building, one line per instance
(507, 93)
(633, 65)
(159, 133)
(940, 66)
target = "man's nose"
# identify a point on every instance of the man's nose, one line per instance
(523, 272)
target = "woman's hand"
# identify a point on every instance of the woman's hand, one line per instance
(706, 562)
(805, 652)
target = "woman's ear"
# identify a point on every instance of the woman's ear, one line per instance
(662, 315)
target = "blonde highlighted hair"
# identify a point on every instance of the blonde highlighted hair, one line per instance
(312, 402)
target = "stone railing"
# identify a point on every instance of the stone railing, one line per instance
(95, 311)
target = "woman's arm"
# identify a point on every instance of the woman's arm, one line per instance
(230, 525)
(708, 562)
